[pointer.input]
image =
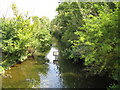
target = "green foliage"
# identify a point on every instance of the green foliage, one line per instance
(64, 26)
(100, 41)
(1, 70)
(22, 36)
(89, 31)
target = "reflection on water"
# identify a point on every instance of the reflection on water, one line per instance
(34, 73)
(50, 56)
(52, 79)
(54, 74)
(25, 75)
(75, 76)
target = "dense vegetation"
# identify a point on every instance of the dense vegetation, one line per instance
(88, 31)
(23, 36)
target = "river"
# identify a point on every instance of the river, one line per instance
(53, 74)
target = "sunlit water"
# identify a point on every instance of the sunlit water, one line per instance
(59, 74)
(52, 79)
(34, 74)
(50, 56)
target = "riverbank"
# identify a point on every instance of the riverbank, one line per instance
(39, 73)
(6, 65)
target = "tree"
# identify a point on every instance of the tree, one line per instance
(23, 36)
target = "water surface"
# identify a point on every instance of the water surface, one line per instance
(59, 73)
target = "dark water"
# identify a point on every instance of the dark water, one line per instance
(54, 74)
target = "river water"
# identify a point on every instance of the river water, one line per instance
(53, 74)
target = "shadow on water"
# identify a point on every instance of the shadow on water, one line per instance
(74, 75)
(59, 73)
(63, 73)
